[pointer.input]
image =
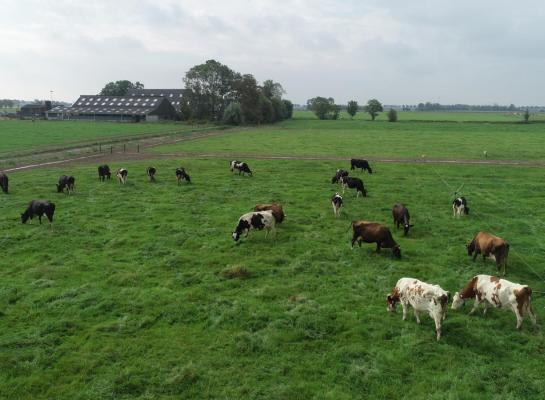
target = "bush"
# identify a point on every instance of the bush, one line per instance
(233, 114)
(392, 115)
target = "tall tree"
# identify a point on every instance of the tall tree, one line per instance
(392, 115)
(246, 92)
(373, 107)
(352, 108)
(272, 89)
(210, 87)
(120, 88)
(324, 108)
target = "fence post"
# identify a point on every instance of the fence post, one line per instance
(138, 148)
(111, 149)
(99, 148)
(124, 147)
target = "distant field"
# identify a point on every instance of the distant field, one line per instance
(27, 135)
(359, 138)
(129, 293)
(436, 116)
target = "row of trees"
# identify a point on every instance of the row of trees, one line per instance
(216, 92)
(325, 108)
(9, 103)
(466, 107)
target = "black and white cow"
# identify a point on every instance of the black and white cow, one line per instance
(122, 175)
(459, 206)
(37, 208)
(255, 220)
(4, 183)
(151, 171)
(104, 172)
(353, 183)
(337, 203)
(66, 182)
(338, 175)
(241, 167)
(181, 175)
(363, 164)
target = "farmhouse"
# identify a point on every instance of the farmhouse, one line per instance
(121, 108)
(174, 96)
(36, 110)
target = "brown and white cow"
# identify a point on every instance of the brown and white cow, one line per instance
(276, 210)
(489, 246)
(373, 232)
(422, 297)
(499, 293)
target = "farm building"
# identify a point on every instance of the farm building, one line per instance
(36, 110)
(56, 112)
(174, 96)
(120, 108)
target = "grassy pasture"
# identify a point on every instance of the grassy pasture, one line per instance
(139, 291)
(16, 135)
(379, 139)
(429, 116)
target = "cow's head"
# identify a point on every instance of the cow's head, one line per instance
(364, 192)
(24, 217)
(470, 247)
(457, 301)
(406, 227)
(396, 251)
(242, 227)
(59, 188)
(391, 302)
(335, 179)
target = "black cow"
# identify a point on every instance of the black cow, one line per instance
(66, 182)
(181, 175)
(104, 172)
(151, 171)
(241, 167)
(4, 183)
(37, 208)
(353, 183)
(459, 206)
(363, 164)
(401, 216)
(338, 175)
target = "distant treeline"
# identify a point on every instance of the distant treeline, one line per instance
(468, 107)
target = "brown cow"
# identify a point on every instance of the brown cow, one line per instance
(373, 232)
(489, 246)
(276, 209)
(401, 216)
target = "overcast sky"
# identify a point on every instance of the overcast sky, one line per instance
(397, 51)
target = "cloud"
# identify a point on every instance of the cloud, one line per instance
(464, 51)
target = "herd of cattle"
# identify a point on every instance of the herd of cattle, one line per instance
(421, 296)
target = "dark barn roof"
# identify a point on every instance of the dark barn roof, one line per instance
(174, 96)
(122, 105)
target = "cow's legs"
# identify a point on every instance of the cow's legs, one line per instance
(437, 320)
(378, 248)
(405, 307)
(475, 255)
(517, 314)
(417, 316)
(475, 305)
(485, 305)
(40, 219)
(530, 312)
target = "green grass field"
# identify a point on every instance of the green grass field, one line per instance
(131, 293)
(359, 138)
(27, 135)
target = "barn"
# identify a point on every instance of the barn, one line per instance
(35, 110)
(174, 96)
(121, 108)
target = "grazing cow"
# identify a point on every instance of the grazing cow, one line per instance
(254, 220)
(66, 182)
(373, 232)
(499, 293)
(353, 183)
(241, 167)
(276, 210)
(401, 216)
(181, 175)
(340, 173)
(104, 172)
(122, 175)
(337, 203)
(459, 206)
(422, 297)
(363, 164)
(151, 171)
(489, 246)
(37, 208)
(4, 183)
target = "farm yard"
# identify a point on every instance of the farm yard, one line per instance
(139, 291)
